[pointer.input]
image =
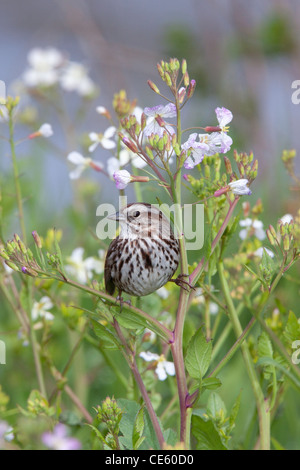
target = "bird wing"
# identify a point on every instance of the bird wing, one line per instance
(108, 279)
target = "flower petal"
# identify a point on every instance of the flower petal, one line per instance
(224, 116)
(76, 158)
(149, 356)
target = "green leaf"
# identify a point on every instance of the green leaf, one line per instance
(97, 432)
(58, 252)
(254, 273)
(215, 407)
(198, 355)
(292, 329)
(138, 428)
(131, 321)
(206, 435)
(130, 411)
(110, 341)
(135, 321)
(234, 411)
(289, 375)
(265, 349)
(211, 383)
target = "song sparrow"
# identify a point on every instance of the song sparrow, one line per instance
(145, 255)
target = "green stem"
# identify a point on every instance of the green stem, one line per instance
(177, 345)
(261, 404)
(16, 175)
(198, 270)
(35, 345)
(158, 327)
(130, 358)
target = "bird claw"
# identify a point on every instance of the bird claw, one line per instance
(182, 283)
(120, 299)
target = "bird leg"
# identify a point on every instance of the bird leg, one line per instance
(179, 281)
(122, 301)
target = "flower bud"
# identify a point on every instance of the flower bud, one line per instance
(186, 79)
(131, 145)
(160, 121)
(161, 144)
(221, 191)
(143, 121)
(29, 271)
(103, 111)
(212, 129)
(273, 231)
(3, 254)
(286, 243)
(227, 165)
(153, 86)
(181, 94)
(168, 79)
(191, 88)
(37, 239)
(271, 239)
(160, 71)
(149, 152)
(12, 265)
(183, 66)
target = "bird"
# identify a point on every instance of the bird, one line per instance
(145, 255)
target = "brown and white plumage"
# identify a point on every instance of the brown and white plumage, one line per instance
(145, 255)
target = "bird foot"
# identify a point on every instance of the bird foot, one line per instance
(122, 301)
(179, 281)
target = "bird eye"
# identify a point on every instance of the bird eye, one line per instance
(136, 214)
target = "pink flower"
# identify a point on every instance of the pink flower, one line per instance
(59, 440)
(161, 112)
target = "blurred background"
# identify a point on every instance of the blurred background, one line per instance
(243, 55)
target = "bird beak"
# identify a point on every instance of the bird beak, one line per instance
(116, 216)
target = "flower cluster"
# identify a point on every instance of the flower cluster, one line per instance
(48, 67)
(209, 144)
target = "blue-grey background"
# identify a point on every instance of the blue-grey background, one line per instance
(244, 55)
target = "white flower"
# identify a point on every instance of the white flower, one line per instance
(41, 309)
(75, 77)
(240, 188)
(103, 139)
(113, 164)
(101, 110)
(252, 227)
(82, 163)
(286, 219)
(261, 249)
(126, 156)
(82, 269)
(163, 292)
(122, 178)
(44, 67)
(211, 143)
(197, 150)
(224, 117)
(163, 112)
(45, 130)
(163, 367)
